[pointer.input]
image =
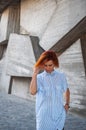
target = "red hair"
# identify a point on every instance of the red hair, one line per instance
(46, 56)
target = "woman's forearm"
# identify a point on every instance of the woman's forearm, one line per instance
(33, 84)
(67, 97)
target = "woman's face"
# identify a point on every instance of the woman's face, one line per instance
(49, 66)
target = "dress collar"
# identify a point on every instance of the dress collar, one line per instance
(52, 73)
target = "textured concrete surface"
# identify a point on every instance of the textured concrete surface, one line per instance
(19, 114)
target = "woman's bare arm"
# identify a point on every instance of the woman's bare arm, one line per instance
(67, 97)
(33, 84)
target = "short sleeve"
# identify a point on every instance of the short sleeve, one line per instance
(64, 82)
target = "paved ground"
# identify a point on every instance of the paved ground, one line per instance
(19, 114)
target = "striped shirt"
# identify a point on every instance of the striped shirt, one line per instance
(50, 112)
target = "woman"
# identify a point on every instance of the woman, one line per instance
(49, 87)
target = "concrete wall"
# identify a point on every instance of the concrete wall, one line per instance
(35, 15)
(4, 78)
(20, 87)
(3, 25)
(71, 62)
(66, 16)
(20, 56)
(50, 20)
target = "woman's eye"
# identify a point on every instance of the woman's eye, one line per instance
(47, 65)
(50, 65)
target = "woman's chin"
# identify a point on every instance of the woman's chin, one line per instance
(48, 71)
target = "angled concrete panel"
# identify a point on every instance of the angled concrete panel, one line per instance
(35, 15)
(71, 62)
(3, 25)
(66, 16)
(20, 56)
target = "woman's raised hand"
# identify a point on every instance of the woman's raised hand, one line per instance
(36, 70)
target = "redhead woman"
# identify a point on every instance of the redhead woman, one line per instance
(49, 86)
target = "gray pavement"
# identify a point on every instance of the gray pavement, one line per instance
(19, 114)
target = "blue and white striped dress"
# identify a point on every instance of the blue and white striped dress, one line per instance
(50, 112)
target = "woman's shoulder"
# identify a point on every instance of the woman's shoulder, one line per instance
(60, 72)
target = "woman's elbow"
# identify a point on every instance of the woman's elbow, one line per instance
(33, 92)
